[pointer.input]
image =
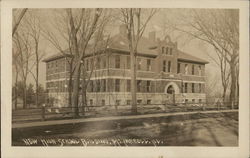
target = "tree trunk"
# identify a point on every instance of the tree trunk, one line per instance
(224, 94)
(84, 91)
(37, 73)
(76, 89)
(133, 82)
(70, 85)
(84, 99)
(24, 96)
(237, 82)
(233, 82)
(16, 89)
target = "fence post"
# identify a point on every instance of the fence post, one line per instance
(116, 109)
(83, 109)
(203, 106)
(165, 106)
(43, 112)
(232, 105)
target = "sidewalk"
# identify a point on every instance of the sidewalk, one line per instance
(111, 118)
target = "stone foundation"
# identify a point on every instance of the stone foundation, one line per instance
(124, 98)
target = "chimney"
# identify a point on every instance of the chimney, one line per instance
(152, 36)
(123, 29)
(175, 44)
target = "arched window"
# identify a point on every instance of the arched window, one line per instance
(162, 50)
(167, 50)
(170, 51)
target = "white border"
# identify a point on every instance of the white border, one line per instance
(166, 152)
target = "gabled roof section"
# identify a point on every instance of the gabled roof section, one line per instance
(189, 58)
(120, 42)
(57, 56)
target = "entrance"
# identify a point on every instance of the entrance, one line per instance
(171, 90)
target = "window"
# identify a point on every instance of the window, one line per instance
(128, 86)
(128, 62)
(91, 86)
(117, 85)
(199, 87)
(192, 69)
(170, 51)
(139, 63)
(87, 65)
(104, 63)
(185, 87)
(128, 102)
(148, 86)
(186, 69)
(179, 68)
(98, 86)
(200, 100)
(103, 84)
(91, 64)
(117, 102)
(103, 102)
(167, 50)
(148, 102)
(199, 71)
(139, 86)
(91, 102)
(98, 66)
(60, 86)
(139, 101)
(169, 66)
(117, 61)
(193, 100)
(193, 90)
(148, 65)
(186, 100)
(163, 50)
(164, 66)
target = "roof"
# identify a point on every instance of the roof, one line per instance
(119, 42)
(57, 56)
(144, 46)
(189, 58)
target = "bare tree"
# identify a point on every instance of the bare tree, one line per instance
(221, 62)
(78, 28)
(18, 19)
(98, 47)
(33, 28)
(15, 56)
(136, 25)
(81, 34)
(23, 48)
(220, 29)
(211, 83)
(59, 36)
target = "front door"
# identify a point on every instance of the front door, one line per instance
(171, 94)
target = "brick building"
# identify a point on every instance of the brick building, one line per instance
(164, 73)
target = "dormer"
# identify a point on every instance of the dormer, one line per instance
(167, 46)
(167, 50)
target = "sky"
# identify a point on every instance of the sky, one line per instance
(194, 47)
